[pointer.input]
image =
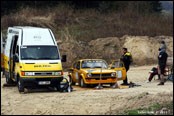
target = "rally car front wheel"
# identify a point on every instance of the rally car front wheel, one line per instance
(82, 83)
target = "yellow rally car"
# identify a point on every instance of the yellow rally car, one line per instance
(88, 72)
(118, 66)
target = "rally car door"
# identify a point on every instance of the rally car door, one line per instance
(76, 72)
(118, 66)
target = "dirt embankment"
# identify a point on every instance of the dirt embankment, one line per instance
(144, 49)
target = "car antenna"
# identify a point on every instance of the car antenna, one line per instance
(115, 86)
(99, 85)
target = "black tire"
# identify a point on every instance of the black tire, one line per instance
(93, 85)
(3, 72)
(58, 87)
(82, 83)
(112, 84)
(20, 85)
(8, 79)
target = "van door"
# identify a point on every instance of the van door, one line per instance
(2, 54)
(12, 53)
(118, 66)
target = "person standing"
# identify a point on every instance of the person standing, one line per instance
(162, 60)
(126, 58)
(163, 46)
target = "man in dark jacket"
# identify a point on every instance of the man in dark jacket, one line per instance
(163, 46)
(162, 60)
(126, 59)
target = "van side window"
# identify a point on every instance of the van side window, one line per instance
(17, 50)
(15, 44)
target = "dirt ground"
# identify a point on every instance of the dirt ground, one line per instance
(87, 101)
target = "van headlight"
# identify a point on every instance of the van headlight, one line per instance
(113, 74)
(89, 75)
(57, 73)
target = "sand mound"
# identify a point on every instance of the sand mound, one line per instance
(106, 48)
(144, 49)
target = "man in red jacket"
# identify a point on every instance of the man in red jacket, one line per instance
(154, 72)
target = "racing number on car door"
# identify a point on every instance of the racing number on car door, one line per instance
(76, 71)
(76, 75)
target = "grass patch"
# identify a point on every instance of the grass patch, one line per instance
(155, 109)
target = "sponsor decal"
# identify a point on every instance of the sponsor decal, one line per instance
(23, 46)
(12, 31)
(91, 70)
(42, 66)
(77, 76)
(37, 37)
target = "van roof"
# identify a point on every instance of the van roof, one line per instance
(28, 27)
(89, 59)
(36, 36)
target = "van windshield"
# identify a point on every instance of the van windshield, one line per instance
(94, 64)
(39, 53)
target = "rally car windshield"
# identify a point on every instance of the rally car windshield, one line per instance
(39, 53)
(94, 64)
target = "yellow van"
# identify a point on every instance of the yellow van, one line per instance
(2, 53)
(32, 58)
(90, 72)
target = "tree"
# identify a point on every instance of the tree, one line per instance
(156, 6)
(103, 6)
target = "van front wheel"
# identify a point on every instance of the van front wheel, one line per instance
(20, 86)
(8, 79)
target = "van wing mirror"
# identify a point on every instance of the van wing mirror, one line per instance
(63, 58)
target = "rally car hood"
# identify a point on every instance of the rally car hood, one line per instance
(98, 70)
